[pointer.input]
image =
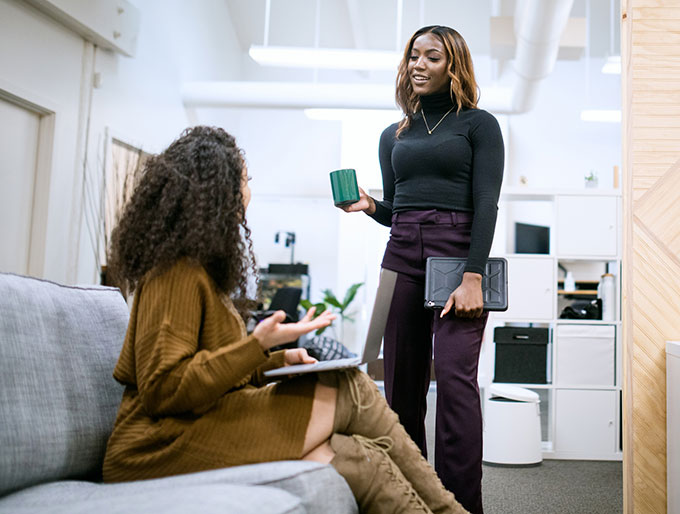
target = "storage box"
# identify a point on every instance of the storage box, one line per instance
(585, 355)
(521, 355)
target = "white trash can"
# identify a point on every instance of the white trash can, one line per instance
(512, 426)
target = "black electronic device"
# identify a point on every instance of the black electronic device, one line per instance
(532, 238)
(444, 274)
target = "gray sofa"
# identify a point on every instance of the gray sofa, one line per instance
(58, 401)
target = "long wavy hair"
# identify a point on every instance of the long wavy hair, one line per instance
(464, 90)
(188, 203)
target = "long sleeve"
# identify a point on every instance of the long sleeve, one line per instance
(487, 176)
(187, 348)
(276, 360)
(383, 209)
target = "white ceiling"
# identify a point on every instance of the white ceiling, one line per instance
(374, 24)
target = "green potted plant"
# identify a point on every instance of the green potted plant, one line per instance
(591, 179)
(330, 301)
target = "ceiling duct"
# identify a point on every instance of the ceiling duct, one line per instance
(538, 27)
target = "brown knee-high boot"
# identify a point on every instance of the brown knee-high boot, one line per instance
(378, 485)
(362, 410)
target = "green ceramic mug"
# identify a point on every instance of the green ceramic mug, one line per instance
(344, 187)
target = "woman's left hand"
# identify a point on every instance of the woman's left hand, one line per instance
(297, 356)
(466, 299)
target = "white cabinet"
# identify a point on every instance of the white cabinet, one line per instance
(585, 423)
(581, 400)
(585, 355)
(531, 288)
(587, 226)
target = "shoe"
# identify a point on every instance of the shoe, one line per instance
(377, 483)
(362, 410)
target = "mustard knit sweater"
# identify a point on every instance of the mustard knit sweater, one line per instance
(195, 397)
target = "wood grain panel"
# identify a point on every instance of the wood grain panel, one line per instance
(642, 110)
(669, 84)
(667, 13)
(656, 121)
(654, 157)
(650, 49)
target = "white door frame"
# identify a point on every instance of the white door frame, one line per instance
(43, 173)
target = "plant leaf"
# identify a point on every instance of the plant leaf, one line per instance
(330, 298)
(320, 307)
(351, 293)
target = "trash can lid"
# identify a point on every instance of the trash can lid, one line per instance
(511, 392)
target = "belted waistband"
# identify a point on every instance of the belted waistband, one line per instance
(433, 217)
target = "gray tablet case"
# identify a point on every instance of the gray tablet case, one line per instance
(444, 274)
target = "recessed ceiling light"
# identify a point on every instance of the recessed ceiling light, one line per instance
(327, 58)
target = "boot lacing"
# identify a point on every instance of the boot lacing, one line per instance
(354, 391)
(379, 443)
(383, 444)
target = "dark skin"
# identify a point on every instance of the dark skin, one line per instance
(427, 67)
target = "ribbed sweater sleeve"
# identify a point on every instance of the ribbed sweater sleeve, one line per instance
(276, 360)
(171, 369)
(487, 175)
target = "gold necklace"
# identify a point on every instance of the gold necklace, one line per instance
(433, 128)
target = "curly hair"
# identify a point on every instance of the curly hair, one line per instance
(464, 90)
(188, 202)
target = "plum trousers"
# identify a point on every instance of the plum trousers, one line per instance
(413, 332)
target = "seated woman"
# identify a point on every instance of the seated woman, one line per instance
(195, 396)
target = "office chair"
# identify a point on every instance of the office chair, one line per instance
(285, 299)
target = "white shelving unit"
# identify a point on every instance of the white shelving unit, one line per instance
(581, 404)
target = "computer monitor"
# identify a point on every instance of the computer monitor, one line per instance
(532, 238)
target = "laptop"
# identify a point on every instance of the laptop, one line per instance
(374, 335)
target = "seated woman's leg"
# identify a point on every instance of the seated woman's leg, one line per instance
(361, 410)
(320, 429)
(376, 482)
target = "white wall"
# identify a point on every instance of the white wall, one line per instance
(138, 101)
(551, 146)
(41, 62)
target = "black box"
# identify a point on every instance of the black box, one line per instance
(521, 355)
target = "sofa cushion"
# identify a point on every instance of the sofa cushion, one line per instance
(319, 486)
(58, 400)
(205, 499)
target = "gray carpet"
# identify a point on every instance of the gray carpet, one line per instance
(554, 487)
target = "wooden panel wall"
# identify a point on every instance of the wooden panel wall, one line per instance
(650, 50)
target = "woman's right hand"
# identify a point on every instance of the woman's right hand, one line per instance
(271, 331)
(365, 204)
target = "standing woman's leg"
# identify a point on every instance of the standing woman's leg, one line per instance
(458, 441)
(407, 354)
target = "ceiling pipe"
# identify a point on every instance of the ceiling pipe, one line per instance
(538, 25)
(290, 95)
(538, 28)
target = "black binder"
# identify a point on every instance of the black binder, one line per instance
(444, 274)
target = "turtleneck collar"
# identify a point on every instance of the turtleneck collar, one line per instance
(438, 102)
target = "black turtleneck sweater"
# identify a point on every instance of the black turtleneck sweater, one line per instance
(459, 167)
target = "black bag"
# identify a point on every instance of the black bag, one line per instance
(444, 274)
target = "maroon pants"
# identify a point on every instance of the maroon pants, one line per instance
(412, 332)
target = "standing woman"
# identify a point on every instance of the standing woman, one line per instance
(442, 167)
